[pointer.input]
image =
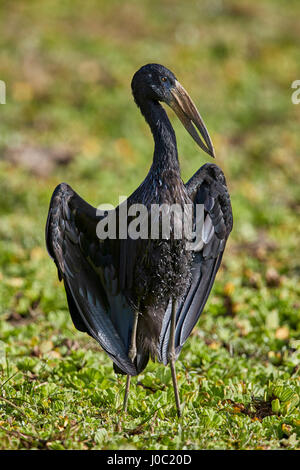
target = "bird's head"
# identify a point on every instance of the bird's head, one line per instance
(157, 83)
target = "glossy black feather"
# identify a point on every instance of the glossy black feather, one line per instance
(106, 281)
(207, 187)
(86, 266)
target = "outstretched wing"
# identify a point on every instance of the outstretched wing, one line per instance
(207, 187)
(87, 267)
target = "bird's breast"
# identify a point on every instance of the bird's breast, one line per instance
(162, 267)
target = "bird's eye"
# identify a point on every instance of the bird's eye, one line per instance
(164, 79)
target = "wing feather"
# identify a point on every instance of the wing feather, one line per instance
(87, 268)
(207, 187)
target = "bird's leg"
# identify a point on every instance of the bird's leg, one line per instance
(171, 352)
(131, 355)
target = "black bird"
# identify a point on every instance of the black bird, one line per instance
(141, 297)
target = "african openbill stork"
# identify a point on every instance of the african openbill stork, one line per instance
(142, 297)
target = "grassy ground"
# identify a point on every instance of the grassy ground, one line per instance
(67, 68)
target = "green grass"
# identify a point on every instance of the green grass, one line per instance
(67, 67)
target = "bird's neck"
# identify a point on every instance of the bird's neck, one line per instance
(165, 151)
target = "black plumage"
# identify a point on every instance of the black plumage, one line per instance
(123, 291)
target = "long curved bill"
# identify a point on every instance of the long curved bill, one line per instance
(183, 106)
